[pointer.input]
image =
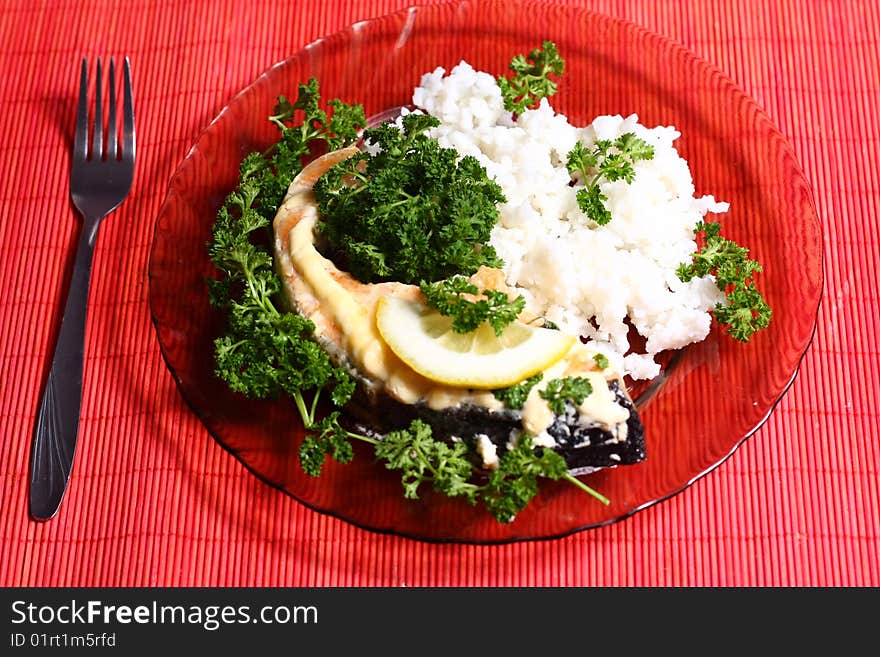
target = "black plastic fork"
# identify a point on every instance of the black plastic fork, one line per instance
(100, 179)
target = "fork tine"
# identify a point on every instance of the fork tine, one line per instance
(112, 148)
(81, 136)
(98, 129)
(128, 140)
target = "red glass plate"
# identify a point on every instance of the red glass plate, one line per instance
(712, 396)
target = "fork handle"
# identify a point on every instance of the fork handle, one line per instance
(57, 425)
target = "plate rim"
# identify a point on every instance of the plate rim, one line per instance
(626, 24)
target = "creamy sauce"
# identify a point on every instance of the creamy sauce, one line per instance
(536, 413)
(599, 407)
(487, 451)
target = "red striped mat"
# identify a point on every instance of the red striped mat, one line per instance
(153, 500)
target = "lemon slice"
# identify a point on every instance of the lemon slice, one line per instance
(423, 339)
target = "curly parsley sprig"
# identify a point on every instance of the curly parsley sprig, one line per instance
(496, 308)
(514, 397)
(607, 160)
(265, 351)
(569, 388)
(447, 468)
(744, 311)
(531, 78)
(411, 211)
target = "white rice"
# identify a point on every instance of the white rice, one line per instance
(586, 278)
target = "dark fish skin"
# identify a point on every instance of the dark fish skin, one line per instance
(584, 448)
(595, 447)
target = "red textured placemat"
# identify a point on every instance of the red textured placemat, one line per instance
(153, 500)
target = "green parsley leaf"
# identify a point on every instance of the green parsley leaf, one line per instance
(601, 361)
(514, 397)
(531, 79)
(325, 438)
(745, 311)
(446, 467)
(265, 351)
(496, 308)
(591, 200)
(414, 211)
(514, 483)
(422, 459)
(607, 160)
(570, 388)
